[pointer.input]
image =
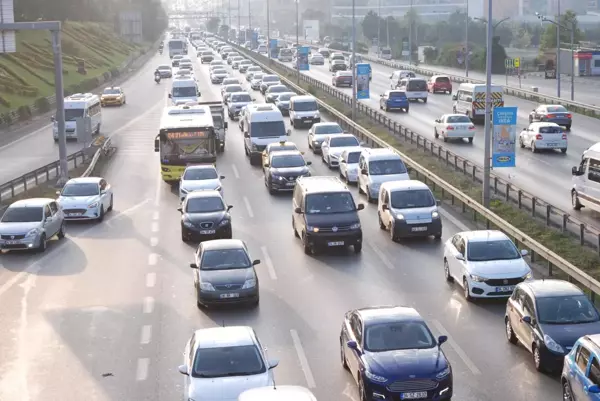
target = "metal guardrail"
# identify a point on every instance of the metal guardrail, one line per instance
(103, 150)
(537, 250)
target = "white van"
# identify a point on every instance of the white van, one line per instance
(398, 76)
(415, 88)
(469, 99)
(80, 105)
(263, 124)
(408, 209)
(586, 180)
(278, 393)
(183, 91)
(304, 111)
(376, 166)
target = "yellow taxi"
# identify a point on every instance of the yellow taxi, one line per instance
(277, 147)
(113, 96)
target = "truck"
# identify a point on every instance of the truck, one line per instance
(217, 110)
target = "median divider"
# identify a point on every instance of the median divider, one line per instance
(537, 250)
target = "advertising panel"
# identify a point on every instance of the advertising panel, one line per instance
(273, 49)
(504, 137)
(362, 80)
(302, 59)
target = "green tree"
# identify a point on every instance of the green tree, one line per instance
(567, 20)
(370, 25)
(522, 39)
(213, 24)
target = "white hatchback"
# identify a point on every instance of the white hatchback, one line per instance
(200, 177)
(86, 198)
(543, 136)
(349, 164)
(454, 126)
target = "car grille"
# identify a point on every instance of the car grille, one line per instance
(67, 211)
(331, 229)
(11, 237)
(228, 287)
(206, 225)
(413, 385)
(15, 246)
(504, 281)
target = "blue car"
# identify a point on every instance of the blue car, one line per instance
(394, 100)
(392, 355)
(580, 377)
(552, 113)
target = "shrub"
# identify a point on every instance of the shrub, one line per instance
(24, 113)
(42, 104)
(6, 119)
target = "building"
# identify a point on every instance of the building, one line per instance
(342, 9)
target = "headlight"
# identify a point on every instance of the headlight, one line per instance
(440, 375)
(528, 276)
(477, 278)
(224, 222)
(375, 378)
(254, 147)
(355, 226)
(312, 228)
(93, 205)
(33, 233)
(435, 215)
(316, 115)
(400, 216)
(552, 345)
(206, 286)
(251, 283)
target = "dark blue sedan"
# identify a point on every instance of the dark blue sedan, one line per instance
(552, 113)
(393, 355)
(394, 100)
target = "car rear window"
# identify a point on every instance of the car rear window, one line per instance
(397, 95)
(417, 85)
(442, 80)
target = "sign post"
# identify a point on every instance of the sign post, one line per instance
(302, 58)
(517, 63)
(504, 138)
(362, 80)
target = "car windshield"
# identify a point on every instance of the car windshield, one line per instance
(207, 53)
(412, 199)
(556, 109)
(285, 97)
(353, 157)
(72, 114)
(22, 215)
(278, 89)
(253, 69)
(384, 337)
(442, 80)
(483, 251)
(338, 61)
(270, 79)
(343, 141)
(185, 91)
(346, 74)
(386, 51)
(458, 119)
(242, 360)
(224, 259)
(310, 105)
(200, 174)
(240, 98)
(111, 92)
(258, 77)
(213, 63)
(234, 88)
(555, 129)
(231, 81)
(572, 309)
(81, 189)
(287, 161)
(265, 129)
(387, 167)
(164, 68)
(285, 52)
(397, 95)
(219, 71)
(327, 203)
(204, 205)
(417, 85)
(328, 129)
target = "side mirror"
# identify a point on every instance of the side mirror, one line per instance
(229, 207)
(594, 389)
(442, 339)
(255, 262)
(156, 145)
(193, 266)
(524, 252)
(360, 206)
(352, 344)
(454, 97)
(437, 120)
(246, 135)
(364, 171)
(225, 125)
(254, 99)
(527, 319)
(222, 177)
(266, 165)
(273, 363)
(342, 161)
(438, 202)
(170, 96)
(381, 95)
(199, 94)
(385, 207)
(180, 209)
(183, 370)
(298, 210)
(58, 193)
(288, 132)
(575, 171)
(460, 257)
(308, 163)
(53, 119)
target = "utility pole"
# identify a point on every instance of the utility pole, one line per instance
(353, 63)
(229, 10)
(487, 154)
(387, 28)
(249, 16)
(379, 28)
(268, 31)
(467, 43)
(410, 30)
(239, 16)
(297, 42)
(558, 51)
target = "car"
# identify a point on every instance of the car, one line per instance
(217, 63)
(439, 83)
(277, 147)
(229, 81)
(185, 59)
(28, 224)
(250, 71)
(349, 164)
(581, 371)
(186, 65)
(333, 146)
(200, 177)
(227, 90)
(176, 59)
(394, 100)
(373, 341)
(204, 216)
(184, 74)
(165, 71)
(552, 113)
(485, 263)
(336, 56)
(324, 52)
(223, 362)
(283, 102)
(268, 80)
(257, 81)
(224, 273)
(454, 126)
(236, 102)
(283, 168)
(244, 65)
(86, 198)
(273, 92)
(548, 317)
(319, 132)
(337, 65)
(218, 75)
(113, 96)
(342, 78)
(235, 63)
(206, 56)
(543, 136)
(316, 59)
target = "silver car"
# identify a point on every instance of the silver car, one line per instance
(236, 102)
(86, 198)
(198, 178)
(28, 224)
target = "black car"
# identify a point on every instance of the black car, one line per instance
(548, 317)
(274, 91)
(204, 216)
(283, 169)
(283, 102)
(224, 273)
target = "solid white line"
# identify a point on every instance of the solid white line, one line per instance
(152, 259)
(248, 207)
(150, 280)
(269, 263)
(148, 306)
(153, 241)
(141, 373)
(453, 220)
(155, 227)
(236, 173)
(459, 351)
(310, 380)
(24, 137)
(382, 256)
(155, 216)
(146, 335)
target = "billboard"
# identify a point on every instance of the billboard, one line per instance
(7, 16)
(273, 49)
(362, 80)
(311, 29)
(504, 140)
(302, 59)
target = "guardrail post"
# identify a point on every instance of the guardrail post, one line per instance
(532, 256)
(533, 204)
(549, 268)
(455, 162)
(443, 193)
(47, 173)
(520, 198)
(487, 224)
(75, 161)
(598, 241)
(35, 174)
(548, 212)
(496, 185)
(24, 183)
(464, 167)
(474, 173)
(565, 220)
(452, 201)
(582, 234)
(507, 192)
(447, 157)
(464, 207)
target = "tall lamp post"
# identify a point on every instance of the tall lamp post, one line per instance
(487, 154)
(269, 31)
(467, 43)
(379, 28)
(353, 64)
(572, 31)
(297, 42)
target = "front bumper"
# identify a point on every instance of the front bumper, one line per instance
(403, 229)
(306, 121)
(343, 83)
(334, 161)
(20, 243)
(228, 297)
(112, 102)
(551, 360)
(282, 184)
(70, 134)
(201, 234)
(441, 89)
(482, 290)
(334, 240)
(441, 392)
(216, 80)
(81, 213)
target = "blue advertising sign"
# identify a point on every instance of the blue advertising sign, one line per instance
(254, 40)
(273, 48)
(362, 80)
(504, 137)
(302, 58)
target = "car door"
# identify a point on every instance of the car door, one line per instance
(342, 161)
(49, 224)
(104, 195)
(353, 355)
(457, 266)
(592, 184)
(325, 147)
(387, 217)
(188, 359)
(593, 377)
(515, 309)
(580, 375)
(440, 124)
(57, 217)
(298, 202)
(524, 331)
(539, 113)
(361, 176)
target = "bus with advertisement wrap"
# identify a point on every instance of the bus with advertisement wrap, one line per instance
(187, 135)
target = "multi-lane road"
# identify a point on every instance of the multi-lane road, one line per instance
(104, 315)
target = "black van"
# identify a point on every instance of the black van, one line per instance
(325, 215)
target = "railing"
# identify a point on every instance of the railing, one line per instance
(448, 191)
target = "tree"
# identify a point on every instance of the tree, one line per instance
(567, 20)
(213, 24)
(522, 39)
(370, 25)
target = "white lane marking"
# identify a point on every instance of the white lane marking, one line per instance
(150, 280)
(382, 256)
(155, 216)
(146, 334)
(454, 220)
(24, 137)
(148, 305)
(153, 241)
(310, 380)
(459, 351)
(158, 189)
(269, 263)
(128, 210)
(248, 207)
(152, 259)
(141, 373)
(155, 227)
(236, 173)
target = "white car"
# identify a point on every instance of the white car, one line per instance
(220, 363)
(86, 198)
(334, 145)
(319, 132)
(486, 263)
(198, 178)
(543, 136)
(229, 81)
(349, 164)
(454, 126)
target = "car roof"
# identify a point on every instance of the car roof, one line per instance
(551, 288)
(217, 244)
(322, 184)
(240, 93)
(327, 123)
(552, 105)
(278, 86)
(282, 143)
(454, 115)
(201, 167)
(112, 87)
(286, 153)
(31, 202)
(84, 180)
(287, 93)
(484, 235)
(396, 91)
(229, 86)
(203, 194)
(388, 314)
(543, 124)
(304, 98)
(216, 337)
(404, 185)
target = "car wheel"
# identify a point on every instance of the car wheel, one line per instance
(43, 244)
(381, 225)
(435, 133)
(530, 119)
(575, 201)
(470, 140)
(329, 163)
(307, 249)
(362, 393)
(343, 355)
(61, 233)
(110, 207)
(567, 394)
(183, 237)
(521, 143)
(393, 235)
(467, 290)
(537, 359)
(510, 334)
(568, 127)
(368, 193)
(533, 148)
(101, 217)
(294, 228)
(447, 274)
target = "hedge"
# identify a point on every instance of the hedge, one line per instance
(42, 104)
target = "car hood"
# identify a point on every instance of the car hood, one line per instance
(230, 276)
(77, 202)
(110, 96)
(283, 102)
(197, 218)
(320, 137)
(255, 81)
(221, 75)
(332, 219)
(500, 268)
(18, 228)
(225, 388)
(339, 149)
(239, 104)
(416, 215)
(567, 334)
(197, 185)
(290, 171)
(404, 364)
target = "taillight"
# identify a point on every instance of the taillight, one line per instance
(449, 128)
(551, 116)
(538, 136)
(564, 136)
(569, 116)
(471, 127)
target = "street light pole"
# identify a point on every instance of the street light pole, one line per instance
(239, 14)
(353, 64)
(268, 31)
(297, 42)
(573, 61)
(379, 28)
(467, 43)
(488, 111)
(410, 29)
(558, 52)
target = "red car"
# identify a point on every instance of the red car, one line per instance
(439, 83)
(342, 78)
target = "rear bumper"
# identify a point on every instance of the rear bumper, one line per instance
(560, 144)
(405, 230)
(325, 239)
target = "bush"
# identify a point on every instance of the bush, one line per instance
(24, 113)
(114, 72)
(42, 104)
(6, 119)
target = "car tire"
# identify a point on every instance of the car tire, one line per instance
(563, 151)
(567, 393)
(533, 148)
(470, 140)
(575, 201)
(183, 237)
(110, 207)
(444, 138)
(381, 224)
(343, 359)
(392, 232)
(362, 393)
(537, 359)
(101, 217)
(294, 229)
(357, 248)
(307, 249)
(435, 133)
(467, 290)
(329, 163)
(43, 244)
(61, 232)
(510, 334)
(568, 127)
(521, 144)
(447, 274)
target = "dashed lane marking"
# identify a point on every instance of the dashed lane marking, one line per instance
(459, 351)
(146, 335)
(153, 241)
(141, 373)
(248, 207)
(150, 280)
(310, 380)
(152, 259)
(155, 227)
(269, 263)
(148, 305)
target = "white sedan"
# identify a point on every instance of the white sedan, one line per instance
(334, 145)
(349, 164)
(543, 136)
(86, 198)
(199, 178)
(485, 263)
(454, 126)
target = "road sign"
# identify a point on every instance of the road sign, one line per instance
(8, 42)
(517, 62)
(509, 63)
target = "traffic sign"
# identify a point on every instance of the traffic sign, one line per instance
(517, 62)
(509, 63)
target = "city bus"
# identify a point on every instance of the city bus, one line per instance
(187, 136)
(177, 46)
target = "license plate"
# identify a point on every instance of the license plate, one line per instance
(231, 295)
(508, 288)
(73, 214)
(290, 184)
(207, 231)
(552, 144)
(12, 242)
(419, 229)
(413, 396)
(336, 243)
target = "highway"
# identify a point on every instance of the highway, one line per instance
(546, 175)
(105, 315)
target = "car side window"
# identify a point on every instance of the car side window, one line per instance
(583, 164)
(528, 307)
(354, 326)
(191, 350)
(53, 207)
(594, 373)
(461, 246)
(594, 170)
(47, 212)
(582, 358)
